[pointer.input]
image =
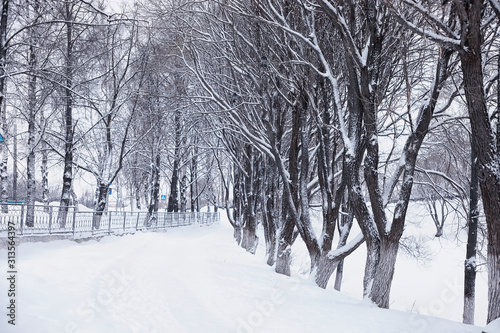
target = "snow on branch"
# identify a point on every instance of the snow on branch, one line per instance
(450, 40)
(347, 249)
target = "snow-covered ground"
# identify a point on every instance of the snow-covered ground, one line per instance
(432, 285)
(195, 279)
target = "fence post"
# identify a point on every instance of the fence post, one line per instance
(109, 223)
(124, 220)
(137, 223)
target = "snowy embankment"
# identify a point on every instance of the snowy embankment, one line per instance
(191, 279)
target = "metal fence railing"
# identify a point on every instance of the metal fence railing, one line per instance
(52, 220)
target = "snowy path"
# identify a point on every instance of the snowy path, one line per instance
(193, 279)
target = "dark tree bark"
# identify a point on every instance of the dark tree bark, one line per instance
(183, 187)
(484, 144)
(470, 256)
(345, 228)
(390, 241)
(238, 193)
(285, 235)
(68, 119)
(268, 195)
(173, 199)
(3, 77)
(45, 174)
(155, 191)
(32, 101)
(193, 182)
(101, 199)
(250, 240)
(30, 163)
(15, 167)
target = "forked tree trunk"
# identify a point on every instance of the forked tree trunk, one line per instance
(384, 273)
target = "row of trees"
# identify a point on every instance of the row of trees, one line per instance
(352, 106)
(96, 94)
(332, 103)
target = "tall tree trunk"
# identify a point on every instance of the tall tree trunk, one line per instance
(290, 187)
(45, 176)
(470, 256)
(183, 187)
(30, 167)
(305, 227)
(155, 191)
(383, 272)
(14, 166)
(250, 240)
(238, 189)
(268, 190)
(345, 228)
(484, 146)
(193, 183)
(173, 199)
(101, 198)
(3, 111)
(68, 121)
